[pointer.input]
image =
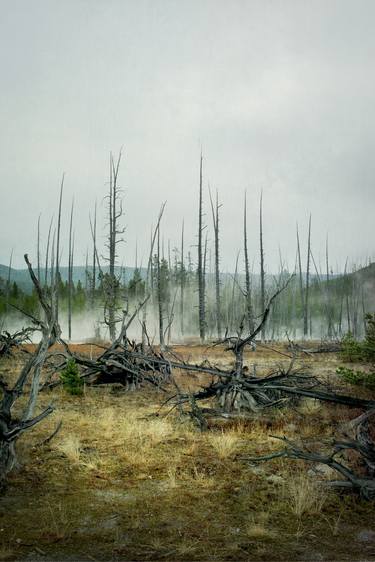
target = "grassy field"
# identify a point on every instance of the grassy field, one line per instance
(121, 483)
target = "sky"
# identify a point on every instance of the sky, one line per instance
(279, 96)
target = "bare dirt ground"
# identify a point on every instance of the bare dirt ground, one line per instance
(119, 484)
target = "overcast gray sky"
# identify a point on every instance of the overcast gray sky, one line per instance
(280, 95)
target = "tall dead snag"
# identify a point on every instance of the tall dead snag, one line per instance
(182, 281)
(57, 269)
(306, 309)
(262, 272)
(115, 212)
(160, 295)
(38, 250)
(149, 276)
(47, 254)
(94, 254)
(248, 295)
(70, 272)
(300, 277)
(215, 220)
(201, 280)
(12, 427)
(328, 297)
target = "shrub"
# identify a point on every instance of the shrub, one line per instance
(71, 379)
(369, 343)
(357, 377)
(352, 350)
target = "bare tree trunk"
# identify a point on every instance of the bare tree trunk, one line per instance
(233, 300)
(52, 268)
(94, 252)
(11, 428)
(248, 295)
(114, 213)
(300, 278)
(215, 219)
(328, 295)
(38, 250)
(47, 254)
(182, 281)
(57, 271)
(160, 296)
(148, 278)
(262, 273)
(306, 316)
(70, 273)
(201, 283)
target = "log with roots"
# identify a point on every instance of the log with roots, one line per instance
(363, 444)
(12, 427)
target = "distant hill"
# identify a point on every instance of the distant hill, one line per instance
(22, 277)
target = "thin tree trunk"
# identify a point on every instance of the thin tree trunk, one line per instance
(57, 271)
(215, 219)
(160, 296)
(38, 250)
(306, 317)
(201, 283)
(47, 253)
(300, 278)
(248, 295)
(182, 282)
(262, 273)
(70, 273)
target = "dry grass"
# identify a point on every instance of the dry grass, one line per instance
(224, 444)
(70, 446)
(119, 483)
(304, 495)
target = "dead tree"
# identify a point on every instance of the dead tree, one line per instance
(70, 272)
(115, 212)
(182, 281)
(12, 427)
(38, 250)
(47, 254)
(200, 272)
(57, 269)
(149, 277)
(362, 444)
(160, 295)
(306, 315)
(215, 219)
(10, 341)
(328, 297)
(300, 277)
(248, 295)
(262, 272)
(91, 277)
